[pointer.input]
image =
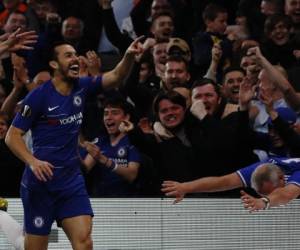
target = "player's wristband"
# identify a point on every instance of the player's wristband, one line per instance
(266, 200)
(113, 166)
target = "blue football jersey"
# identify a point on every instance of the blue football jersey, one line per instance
(108, 183)
(289, 166)
(55, 121)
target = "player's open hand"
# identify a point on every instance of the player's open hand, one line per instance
(251, 203)
(21, 40)
(93, 150)
(42, 170)
(173, 189)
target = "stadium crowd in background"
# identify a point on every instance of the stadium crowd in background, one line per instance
(215, 89)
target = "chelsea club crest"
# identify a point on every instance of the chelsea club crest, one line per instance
(38, 222)
(121, 152)
(77, 100)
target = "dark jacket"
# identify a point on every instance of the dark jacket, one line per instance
(202, 45)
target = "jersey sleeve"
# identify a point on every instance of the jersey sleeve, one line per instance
(246, 173)
(294, 179)
(91, 84)
(134, 155)
(31, 110)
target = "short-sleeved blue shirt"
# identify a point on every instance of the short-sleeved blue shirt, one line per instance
(108, 183)
(55, 120)
(289, 166)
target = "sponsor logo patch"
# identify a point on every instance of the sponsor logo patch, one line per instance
(26, 111)
(52, 108)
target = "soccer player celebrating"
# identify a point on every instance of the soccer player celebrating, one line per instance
(52, 186)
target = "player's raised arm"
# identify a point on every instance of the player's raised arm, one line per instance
(119, 74)
(207, 184)
(18, 40)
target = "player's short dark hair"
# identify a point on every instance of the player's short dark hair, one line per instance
(117, 101)
(53, 53)
(172, 96)
(204, 81)
(211, 12)
(231, 69)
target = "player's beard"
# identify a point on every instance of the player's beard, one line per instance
(64, 72)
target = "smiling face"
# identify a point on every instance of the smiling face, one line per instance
(170, 114)
(162, 27)
(292, 9)
(112, 118)
(280, 34)
(231, 87)
(66, 64)
(176, 74)
(15, 21)
(160, 53)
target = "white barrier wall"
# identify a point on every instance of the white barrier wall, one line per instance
(209, 223)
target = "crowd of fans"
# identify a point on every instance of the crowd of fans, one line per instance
(216, 88)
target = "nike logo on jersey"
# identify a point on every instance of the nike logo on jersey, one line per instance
(52, 108)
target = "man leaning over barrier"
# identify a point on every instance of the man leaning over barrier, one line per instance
(276, 180)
